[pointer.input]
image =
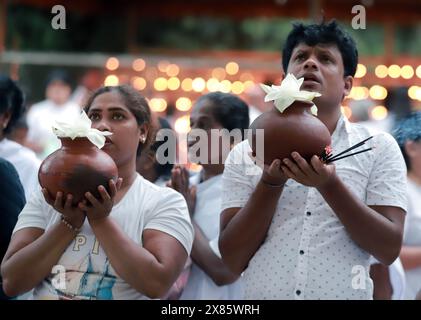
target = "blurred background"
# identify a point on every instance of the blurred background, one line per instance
(176, 50)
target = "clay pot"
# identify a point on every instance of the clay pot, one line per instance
(77, 167)
(296, 129)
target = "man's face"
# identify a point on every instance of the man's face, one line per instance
(58, 92)
(323, 71)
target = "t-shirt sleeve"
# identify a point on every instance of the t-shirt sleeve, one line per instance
(238, 176)
(34, 214)
(387, 181)
(171, 216)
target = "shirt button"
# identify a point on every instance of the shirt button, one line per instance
(301, 252)
(298, 292)
(308, 213)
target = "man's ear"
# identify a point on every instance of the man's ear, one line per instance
(348, 81)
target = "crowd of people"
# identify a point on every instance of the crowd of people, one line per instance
(294, 229)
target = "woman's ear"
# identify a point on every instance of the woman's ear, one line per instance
(4, 119)
(144, 131)
(410, 148)
(348, 81)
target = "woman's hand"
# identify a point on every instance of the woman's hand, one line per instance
(97, 209)
(180, 182)
(314, 174)
(73, 214)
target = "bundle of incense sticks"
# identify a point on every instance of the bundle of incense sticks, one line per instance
(328, 157)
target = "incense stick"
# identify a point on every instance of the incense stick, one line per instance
(331, 157)
(347, 155)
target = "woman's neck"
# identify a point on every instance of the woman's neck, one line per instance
(128, 173)
(210, 171)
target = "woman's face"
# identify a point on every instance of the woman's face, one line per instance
(203, 118)
(109, 113)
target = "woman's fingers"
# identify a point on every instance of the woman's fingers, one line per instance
(58, 202)
(94, 202)
(104, 194)
(68, 203)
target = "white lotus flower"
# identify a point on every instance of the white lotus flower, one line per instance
(288, 92)
(80, 127)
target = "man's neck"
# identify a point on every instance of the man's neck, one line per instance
(330, 119)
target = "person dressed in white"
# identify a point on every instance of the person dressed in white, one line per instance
(131, 243)
(42, 115)
(22, 158)
(389, 281)
(408, 135)
(306, 230)
(209, 278)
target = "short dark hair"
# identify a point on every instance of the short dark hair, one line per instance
(59, 75)
(325, 33)
(11, 100)
(135, 102)
(408, 129)
(163, 169)
(229, 110)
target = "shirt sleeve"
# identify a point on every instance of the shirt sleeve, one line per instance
(34, 214)
(171, 216)
(387, 181)
(238, 177)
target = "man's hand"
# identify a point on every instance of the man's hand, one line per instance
(273, 174)
(314, 174)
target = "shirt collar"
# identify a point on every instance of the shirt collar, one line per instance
(341, 125)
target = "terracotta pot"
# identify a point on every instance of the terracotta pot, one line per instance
(77, 167)
(296, 129)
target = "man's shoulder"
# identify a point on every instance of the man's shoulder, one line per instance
(381, 139)
(39, 107)
(239, 152)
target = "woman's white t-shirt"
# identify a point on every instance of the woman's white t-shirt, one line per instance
(207, 214)
(88, 272)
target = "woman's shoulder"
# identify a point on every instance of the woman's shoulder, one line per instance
(155, 193)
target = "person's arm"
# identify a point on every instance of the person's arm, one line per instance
(376, 229)
(244, 229)
(410, 257)
(150, 269)
(380, 275)
(32, 253)
(31, 256)
(203, 255)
